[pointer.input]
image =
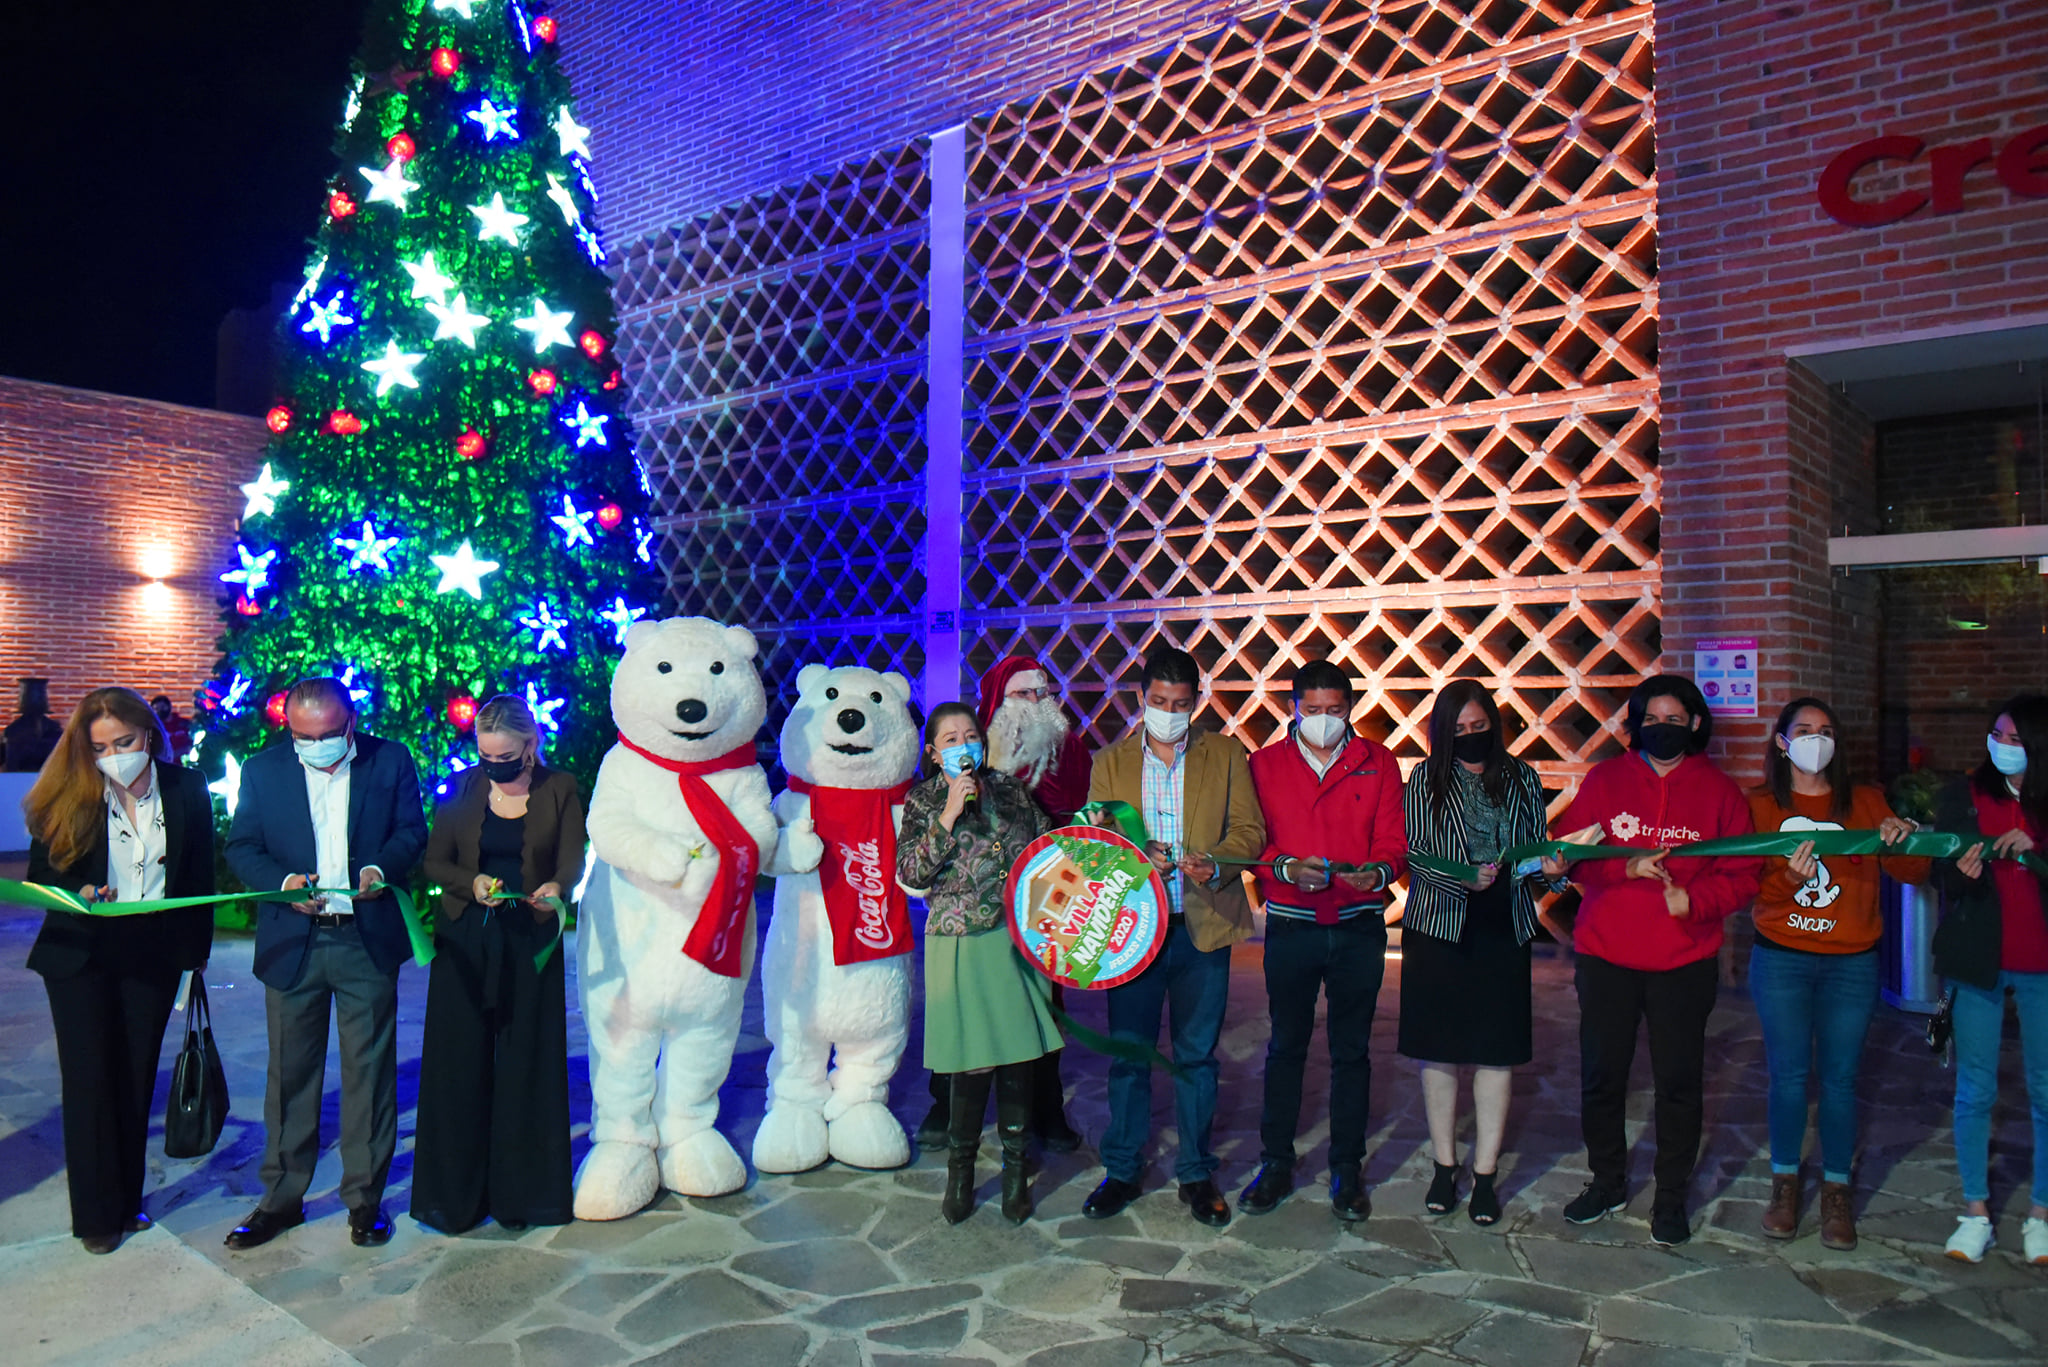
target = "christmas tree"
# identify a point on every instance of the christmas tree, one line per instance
(450, 507)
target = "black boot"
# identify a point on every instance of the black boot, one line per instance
(938, 1121)
(969, 1092)
(1049, 1106)
(1014, 1085)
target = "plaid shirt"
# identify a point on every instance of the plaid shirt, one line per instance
(1164, 804)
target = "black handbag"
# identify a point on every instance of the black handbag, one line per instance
(198, 1104)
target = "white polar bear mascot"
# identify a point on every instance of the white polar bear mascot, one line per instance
(680, 823)
(835, 974)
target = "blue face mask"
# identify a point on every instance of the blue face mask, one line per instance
(2010, 760)
(321, 754)
(961, 759)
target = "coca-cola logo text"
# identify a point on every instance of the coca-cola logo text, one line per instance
(861, 865)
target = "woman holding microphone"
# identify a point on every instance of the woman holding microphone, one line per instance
(115, 819)
(987, 1013)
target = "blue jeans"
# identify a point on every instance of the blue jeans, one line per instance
(1815, 1010)
(1194, 987)
(1980, 1025)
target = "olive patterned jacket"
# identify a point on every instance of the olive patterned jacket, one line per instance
(963, 871)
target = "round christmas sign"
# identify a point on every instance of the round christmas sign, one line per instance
(1086, 907)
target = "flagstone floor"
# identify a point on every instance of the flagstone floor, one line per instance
(840, 1268)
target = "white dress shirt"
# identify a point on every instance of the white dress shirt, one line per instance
(136, 849)
(327, 796)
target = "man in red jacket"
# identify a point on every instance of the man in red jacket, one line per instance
(1337, 840)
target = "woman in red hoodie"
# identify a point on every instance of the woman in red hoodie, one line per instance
(1648, 941)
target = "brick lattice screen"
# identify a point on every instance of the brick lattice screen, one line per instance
(1329, 332)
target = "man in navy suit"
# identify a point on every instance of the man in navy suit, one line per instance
(334, 809)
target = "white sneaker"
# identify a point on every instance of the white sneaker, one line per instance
(1972, 1238)
(2034, 1235)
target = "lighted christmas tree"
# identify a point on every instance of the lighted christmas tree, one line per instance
(450, 507)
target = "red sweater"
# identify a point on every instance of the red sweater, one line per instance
(1351, 814)
(1625, 920)
(2022, 923)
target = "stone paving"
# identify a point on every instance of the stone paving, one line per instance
(839, 1268)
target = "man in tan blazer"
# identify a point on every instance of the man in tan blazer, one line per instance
(1201, 812)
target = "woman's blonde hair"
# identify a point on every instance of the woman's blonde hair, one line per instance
(67, 805)
(508, 715)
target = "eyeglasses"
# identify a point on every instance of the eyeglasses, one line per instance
(1029, 694)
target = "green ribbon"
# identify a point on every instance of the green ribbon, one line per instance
(1130, 1051)
(57, 899)
(561, 910)
(1129, 823)
(1767, 844)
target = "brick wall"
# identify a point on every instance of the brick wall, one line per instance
(1753, 100)
(115, 513)
(696, 106)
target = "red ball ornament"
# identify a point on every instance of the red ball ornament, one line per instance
(542, 382)
(274, 709)
(340, 205)
(610, 516)
(279, 419)
(593, 344)
(462, 711)
(401, 147)
(544, 28)
(612, 380)
(445, 62)
(343, 423)
(248, 606)
(471, 445)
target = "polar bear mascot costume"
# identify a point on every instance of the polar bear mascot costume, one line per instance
(835, 975)
(681, 824)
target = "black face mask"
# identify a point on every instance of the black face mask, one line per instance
(1663, 739)
(1474, 747)
(502, 770)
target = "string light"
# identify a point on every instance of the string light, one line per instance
(261, 494)
(463, 571)
(547, 628)
(369, 550)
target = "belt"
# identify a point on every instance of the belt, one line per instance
(330, 920)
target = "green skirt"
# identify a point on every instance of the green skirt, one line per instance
(983, 1005)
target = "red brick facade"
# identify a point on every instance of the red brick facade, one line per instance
(1753, 101)
(116, 512)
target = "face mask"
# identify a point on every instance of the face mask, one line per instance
(1811, 752)
(502, 770)
(1165, 727)
(123, 766)
(1474, 747)
(2010, 760)
(321, 754)
(1663, 739)
(964, 758)
(1321, 729)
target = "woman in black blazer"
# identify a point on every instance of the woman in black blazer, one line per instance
(114, 818)
(492, 1136)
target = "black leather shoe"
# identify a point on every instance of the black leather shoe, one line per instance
(1347, 1195)
(264, 1225)
(101, 1243)
(1204, 1202)
(1110, 1198)
(368, 1227)
(1267, 1189)
(140, 1223)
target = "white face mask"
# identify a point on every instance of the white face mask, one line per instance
(1811, 752)
(1321, 729)
(123, 766)
(2010, 760)
(1165, 727)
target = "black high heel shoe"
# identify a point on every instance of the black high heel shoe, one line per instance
(1485, 1206)
(1443, 1192)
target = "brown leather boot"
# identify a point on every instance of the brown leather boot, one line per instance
(1781, 1221)
(1837, 1216)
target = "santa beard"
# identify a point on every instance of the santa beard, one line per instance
(1024, 738)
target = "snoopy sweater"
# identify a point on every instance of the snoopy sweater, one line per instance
(1836, 911)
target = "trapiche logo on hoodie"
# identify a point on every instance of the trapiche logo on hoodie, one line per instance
(1627, 826)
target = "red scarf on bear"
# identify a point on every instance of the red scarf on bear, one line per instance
(869, 914)
(717, 940)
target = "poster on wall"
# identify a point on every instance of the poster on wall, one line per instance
(1726, 673)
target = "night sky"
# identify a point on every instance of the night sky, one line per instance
(164, 164)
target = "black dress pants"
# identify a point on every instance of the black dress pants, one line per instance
(110, 1034)
(1613, 1002)
(492, 1136)
(1345, 962)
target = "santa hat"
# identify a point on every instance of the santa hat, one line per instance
(997, 680)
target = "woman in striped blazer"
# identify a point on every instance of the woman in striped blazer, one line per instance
(1465, 944)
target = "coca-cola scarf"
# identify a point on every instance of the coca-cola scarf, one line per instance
(869, 914)
(718, 938)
